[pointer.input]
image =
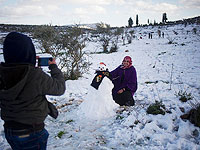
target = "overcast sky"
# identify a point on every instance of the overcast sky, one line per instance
(113, 12)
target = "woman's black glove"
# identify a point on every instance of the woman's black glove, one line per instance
(107, 74)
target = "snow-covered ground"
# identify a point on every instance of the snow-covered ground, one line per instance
(163, 70)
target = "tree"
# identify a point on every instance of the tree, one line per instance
(117, 32)
(48, 38)
(164, 18)
(104, 31)
(155, 23)
(67, 46)
(137, 22)
(72, 57)
(148, 21)
(130, 22)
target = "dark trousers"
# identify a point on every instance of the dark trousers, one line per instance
(32, 141)
(124, 99)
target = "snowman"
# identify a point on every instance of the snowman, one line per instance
(98, 103)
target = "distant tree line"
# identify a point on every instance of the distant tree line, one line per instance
(31, 28)
(130, 20)
(164, 21)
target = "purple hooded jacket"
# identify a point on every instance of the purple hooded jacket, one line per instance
(124, 78)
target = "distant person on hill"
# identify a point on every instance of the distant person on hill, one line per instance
(150, 35)
(124, 78)
(159, 33)
(23, 87)
(163, 34)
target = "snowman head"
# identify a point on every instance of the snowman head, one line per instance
(102, 67)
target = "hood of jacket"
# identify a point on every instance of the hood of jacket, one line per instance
(18, 48)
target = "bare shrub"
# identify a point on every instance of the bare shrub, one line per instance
(194, 30)
(105, 35)
(184, 96)
(115, 40)
(170, 39)
(49, 39)
(67, 45)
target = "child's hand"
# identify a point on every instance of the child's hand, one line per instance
(52, 62)
(121, 91)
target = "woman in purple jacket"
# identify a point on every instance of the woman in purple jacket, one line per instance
(124, 79)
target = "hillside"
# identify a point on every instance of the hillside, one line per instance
(163, 71)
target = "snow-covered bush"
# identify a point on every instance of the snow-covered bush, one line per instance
(105, 35)
(171, 39)
(130, 36)
(115, 40)
(114, 47)
(67, 46)
(1, 41)
(194, 30)
(48, 37)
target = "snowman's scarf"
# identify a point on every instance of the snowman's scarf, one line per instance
(98, 79)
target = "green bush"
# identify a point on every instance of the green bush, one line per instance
(184, 96)
(119, 117)
(69, 121)
(156, 108)
(151, 82)
(60, 134)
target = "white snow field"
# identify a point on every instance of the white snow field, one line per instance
(89, 120)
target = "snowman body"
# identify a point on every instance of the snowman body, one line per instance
(99, 104)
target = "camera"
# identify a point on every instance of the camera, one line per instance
(44, 61)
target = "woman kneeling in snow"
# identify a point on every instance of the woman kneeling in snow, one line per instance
(124, 79)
